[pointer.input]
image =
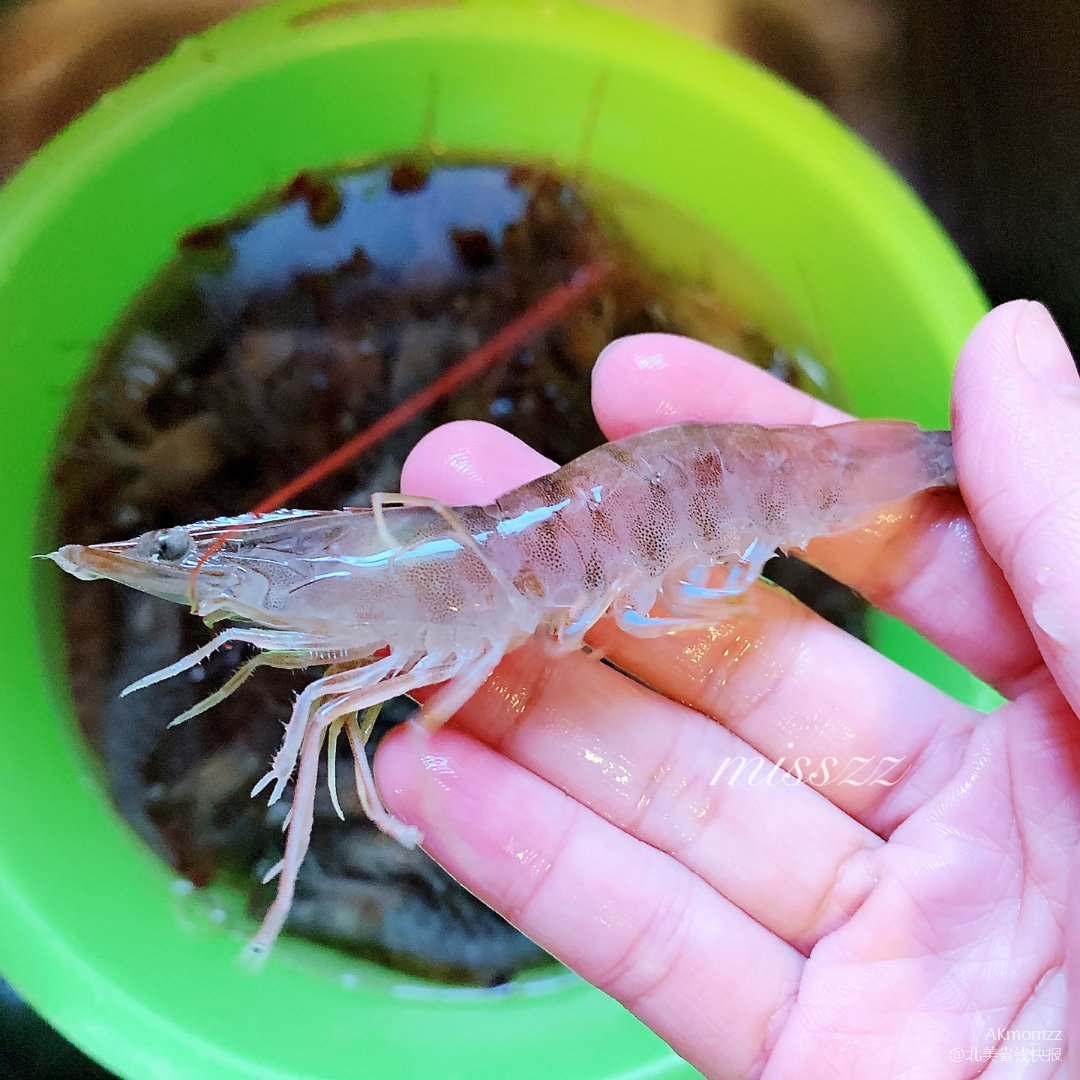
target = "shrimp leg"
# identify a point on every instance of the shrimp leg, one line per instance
(293, 661)
(451, 697)
(687, 597)
(632, 616)
(272, 640)
(345, 702)
(358, 736)
(571, 636)
(369, 676)
(638, 625)
(741, 576)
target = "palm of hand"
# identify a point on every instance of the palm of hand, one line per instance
(956, 956)
(879, 922)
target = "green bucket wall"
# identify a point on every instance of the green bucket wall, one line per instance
(92, 929)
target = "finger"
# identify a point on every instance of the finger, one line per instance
(1072, 947)
(876, 738)
(468, 462)
(1016, 414)
(626, 917)
(873, 738)
(683, 784)
(930, 570)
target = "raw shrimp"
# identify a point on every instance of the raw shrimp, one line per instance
(412, 593)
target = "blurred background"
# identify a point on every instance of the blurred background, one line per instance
(974, 102)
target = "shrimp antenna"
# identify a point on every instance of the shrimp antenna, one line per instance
(532, 321)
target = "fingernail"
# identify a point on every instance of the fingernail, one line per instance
(645, 353)
(1043, 351)
(605, 352)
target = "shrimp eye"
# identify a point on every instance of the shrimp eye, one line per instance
(170, 545)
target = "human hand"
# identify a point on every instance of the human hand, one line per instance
(829, 928)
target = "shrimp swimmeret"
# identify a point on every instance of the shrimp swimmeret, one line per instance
(411, 592)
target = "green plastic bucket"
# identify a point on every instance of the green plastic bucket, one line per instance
(92, 928)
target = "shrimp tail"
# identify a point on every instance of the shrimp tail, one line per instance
(884, 461)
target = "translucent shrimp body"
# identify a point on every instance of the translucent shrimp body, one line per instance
(400, 597)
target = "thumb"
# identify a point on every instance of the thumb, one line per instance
(1016, 430)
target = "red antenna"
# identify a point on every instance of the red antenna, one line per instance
(528, 324)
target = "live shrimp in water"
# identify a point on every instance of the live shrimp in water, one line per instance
(412, 593)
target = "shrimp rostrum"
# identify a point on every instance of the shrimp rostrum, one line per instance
(412, 593)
